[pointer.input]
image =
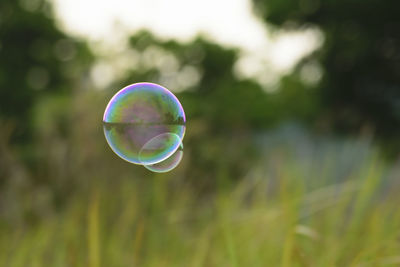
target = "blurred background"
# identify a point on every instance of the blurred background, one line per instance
(291, 148)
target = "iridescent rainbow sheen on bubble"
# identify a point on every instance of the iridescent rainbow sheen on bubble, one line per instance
(137, 114)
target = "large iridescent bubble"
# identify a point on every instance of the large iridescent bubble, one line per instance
(144, 123)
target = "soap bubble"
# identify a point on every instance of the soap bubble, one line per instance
(157, 143)
(139, 113)
(159, 148)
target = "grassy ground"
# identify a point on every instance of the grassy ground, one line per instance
(284, 220)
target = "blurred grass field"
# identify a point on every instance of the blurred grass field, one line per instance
(284, 212)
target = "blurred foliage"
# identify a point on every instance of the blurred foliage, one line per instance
(36, 59)
(241, 195)
(218, 97)
(360, 60)
(280, 215)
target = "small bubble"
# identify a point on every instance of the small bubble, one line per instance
(170, 162)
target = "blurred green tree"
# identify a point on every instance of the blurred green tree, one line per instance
(360, 58)
(36, 59)
(218, 96)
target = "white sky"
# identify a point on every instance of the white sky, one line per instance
(228, 22)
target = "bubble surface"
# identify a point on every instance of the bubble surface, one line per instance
(139, 113)
(158, 142)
